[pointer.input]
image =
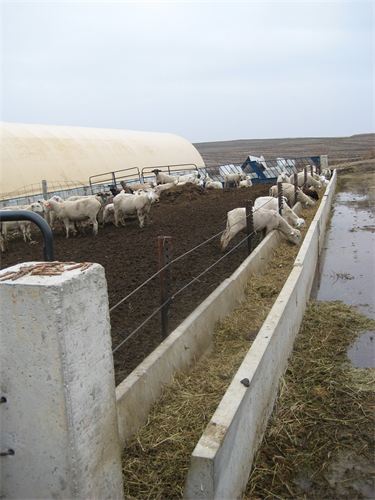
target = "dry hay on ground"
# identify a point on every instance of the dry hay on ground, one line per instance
(156, 460)
(320, 440)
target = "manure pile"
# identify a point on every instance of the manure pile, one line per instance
(156, 460)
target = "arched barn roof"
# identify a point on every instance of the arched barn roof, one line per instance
(68, 156)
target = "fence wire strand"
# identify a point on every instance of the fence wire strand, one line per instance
(187, 285)
(211, 266)
(176, 259)
(170, 299)
(128, 337)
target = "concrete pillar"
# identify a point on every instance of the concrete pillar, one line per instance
(57, 376)
(324, 162)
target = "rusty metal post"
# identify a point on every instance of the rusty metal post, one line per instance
(304, 175)
(114, 179)
(164, 245)
(249, 225)
(295, 188)
(311, 170)
(280, 196)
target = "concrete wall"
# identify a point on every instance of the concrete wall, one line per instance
(192, 338)
(221, 461)
(57, 376)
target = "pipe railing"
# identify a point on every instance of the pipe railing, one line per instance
(26, 215)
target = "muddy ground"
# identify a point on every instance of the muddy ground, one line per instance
(129, 257)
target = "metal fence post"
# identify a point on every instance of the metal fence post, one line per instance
(280, 196)
(114, 179)
(311, 170)
(164, 245)
(295, 187)
(249, 225)
(304, 175)
(44, 189)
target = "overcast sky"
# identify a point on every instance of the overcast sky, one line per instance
(208, 71)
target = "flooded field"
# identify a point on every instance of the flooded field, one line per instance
(348, 263)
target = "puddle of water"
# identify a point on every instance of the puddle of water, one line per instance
(351, 477)
(362, 352)
(347, 265)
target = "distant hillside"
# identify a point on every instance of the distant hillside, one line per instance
(337, 148)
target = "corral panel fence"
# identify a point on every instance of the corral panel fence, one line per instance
(260, 171)
(178, 168)
(264, 170)
(114, 177)
(63, 192)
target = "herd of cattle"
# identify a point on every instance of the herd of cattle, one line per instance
(135, 200)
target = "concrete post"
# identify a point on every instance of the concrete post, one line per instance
(324, 162)
(57, 377)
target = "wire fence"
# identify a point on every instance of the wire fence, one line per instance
(187, 285)
(178, 292)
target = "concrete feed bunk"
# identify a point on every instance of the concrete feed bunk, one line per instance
(221, 461)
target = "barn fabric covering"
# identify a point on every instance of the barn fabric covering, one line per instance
(68, 156)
